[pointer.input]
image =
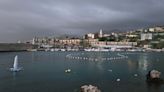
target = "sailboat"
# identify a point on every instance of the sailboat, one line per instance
(16, 68)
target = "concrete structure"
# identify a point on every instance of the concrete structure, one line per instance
(96, 35)
(40, 41)
(70, 41)
(130, 35)
(151, 29)
(159, 29)
(114, 44)
(146, 36)
(146, 46)
(106, 35)
(16, 47)
(91, 41)
(90, 36)
(156, 29)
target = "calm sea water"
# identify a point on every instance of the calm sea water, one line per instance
(44, 72)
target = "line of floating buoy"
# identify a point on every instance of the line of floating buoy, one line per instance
(97, 59)
(73, 56)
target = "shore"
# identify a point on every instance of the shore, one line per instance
(17, 47)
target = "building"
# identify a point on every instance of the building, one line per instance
(40, 41)
(91, 41)
(131, 35)
(96, 35)
(151, 29)
(106, 35)
(16, 47)
(70, 41)
(159, 29)
(146, 36)
(114, 44)
(89, 36)
(156, 29)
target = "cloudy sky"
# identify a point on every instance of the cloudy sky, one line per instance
(24, 19)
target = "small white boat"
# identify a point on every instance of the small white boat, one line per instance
(52, 50)
(15, 68)
(62, 49)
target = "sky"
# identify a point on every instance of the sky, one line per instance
(25, 19)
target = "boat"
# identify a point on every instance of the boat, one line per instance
(52, 50)
(15, 68)
(97, 49)
(62, 49)
(87, 49)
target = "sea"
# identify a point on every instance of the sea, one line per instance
(45, 71)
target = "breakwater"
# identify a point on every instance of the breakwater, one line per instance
(7, 47)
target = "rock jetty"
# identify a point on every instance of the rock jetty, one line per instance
(89, 88)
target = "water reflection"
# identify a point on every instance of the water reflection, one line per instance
(14, 75)
(86, 72)
(153, 87)
(143, 63)
(99, 61)
(132, 65)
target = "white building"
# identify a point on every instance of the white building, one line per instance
(156, 29)
(90, 35)
(152, 29)
(114, 44)
(146, 36)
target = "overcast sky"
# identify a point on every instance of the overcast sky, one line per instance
(24, 19)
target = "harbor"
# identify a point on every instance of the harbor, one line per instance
(81, 46)
(109, 71)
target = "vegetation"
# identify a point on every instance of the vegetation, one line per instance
(159, 45)
(111, 38)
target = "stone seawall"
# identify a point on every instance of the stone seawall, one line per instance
(4, 47)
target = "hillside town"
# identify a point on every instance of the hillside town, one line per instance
(140, 39)
(149, 39)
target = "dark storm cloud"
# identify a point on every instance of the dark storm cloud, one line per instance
(24, 19)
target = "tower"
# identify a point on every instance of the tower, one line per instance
(100, 33)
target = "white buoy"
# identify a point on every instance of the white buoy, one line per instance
(135, 75)
(118, 80)
(68, 71)
(110, 70)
